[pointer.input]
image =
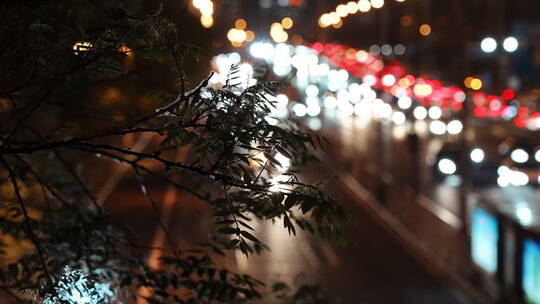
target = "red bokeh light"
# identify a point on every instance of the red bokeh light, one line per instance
(508, 94)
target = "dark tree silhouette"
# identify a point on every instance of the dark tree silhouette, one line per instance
(56, 56)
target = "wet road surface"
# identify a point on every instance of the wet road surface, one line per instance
(374, 268)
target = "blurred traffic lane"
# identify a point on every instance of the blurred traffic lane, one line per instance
(381, 153)
(377, 159)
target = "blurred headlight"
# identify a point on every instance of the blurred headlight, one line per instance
(477, 155)
(518, 178)
(519, 156)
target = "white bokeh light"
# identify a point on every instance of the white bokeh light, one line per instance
(447, 166)
(524, 214)
(437, 127)
(477, 155)
(312, 90)
(404, 102)
(330, 102)
(299, 110)
(388, 80)
(519, 156)
(398, 118)
(435, 112)
(510, 44)
(488, 45)
(454, 127)
(346, 109)
(343, 75)
(369, 79)
(518, 178)
(262, 50)
(313, 110)
(420, 113)
(281, 101)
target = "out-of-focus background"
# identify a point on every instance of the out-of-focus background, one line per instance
(432, 109)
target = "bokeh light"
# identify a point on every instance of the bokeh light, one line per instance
(424, 29)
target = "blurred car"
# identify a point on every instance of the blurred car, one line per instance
(520, 164)
(482, 168)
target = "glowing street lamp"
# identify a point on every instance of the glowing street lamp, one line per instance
(364, 6)
(377, 3)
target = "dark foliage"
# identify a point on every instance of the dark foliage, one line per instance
(55, 56)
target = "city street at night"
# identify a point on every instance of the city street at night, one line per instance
(270, 151)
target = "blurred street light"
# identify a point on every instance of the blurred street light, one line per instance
(510, 44)
(352, 7)
(342, 10)
(476, 84)
(334, 18)
(364, 6)
(207, 21)
(488, 45)
(239, 34)
(424, 29)
(377, 3)
(240, 24)
(467, 81)
(206, 8)
(399, 49)
(287, 23)
(277, 33)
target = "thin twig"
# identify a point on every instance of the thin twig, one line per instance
(79, 181)
(180, 98)
(152, 202)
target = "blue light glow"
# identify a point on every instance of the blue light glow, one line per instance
(77, 288)
(531, 271)
(484, 240)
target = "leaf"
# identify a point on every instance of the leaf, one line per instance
(290, 201)
(249, 236)
(282, 150)
(228, 230)
(243, 158)
(247, 178)
(307, 205)
(246, 225)
(289, 225)
(223, 212)
(272, 159)
(244, 247)
(239, 214)
(277, 197)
